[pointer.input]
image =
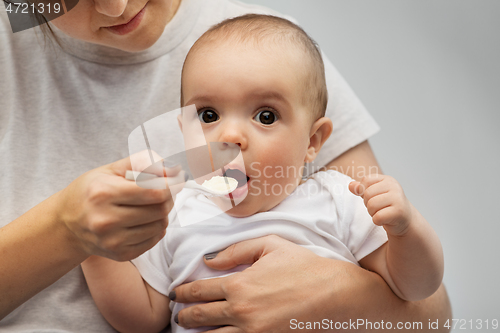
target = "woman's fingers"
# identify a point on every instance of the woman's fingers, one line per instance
(139, 192)
(226, 329)
(200, 291)
(122, 243)
(109, 219)
(139, 234)
(125, 192)
(133, 251)
(264, 297)
(112, 216)
(131, 216)
(144, 160)
(129, 252)
(210, 314)
(244, 253)
(99, 186)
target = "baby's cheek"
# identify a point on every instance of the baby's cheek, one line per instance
(284, 180)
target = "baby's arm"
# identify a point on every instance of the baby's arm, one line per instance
(411, 262)
(127, 302)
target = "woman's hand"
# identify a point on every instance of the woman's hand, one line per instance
(288, 285)
(114, 217)
(99, 213)
(253, 300)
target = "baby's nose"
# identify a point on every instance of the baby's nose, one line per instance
(235, 135)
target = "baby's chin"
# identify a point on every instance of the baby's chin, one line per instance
(242, 210)
(253, 203)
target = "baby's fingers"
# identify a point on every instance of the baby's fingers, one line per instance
(359, 188)
(377, 203)
(372, 179)
(356, 188)
(391, 217)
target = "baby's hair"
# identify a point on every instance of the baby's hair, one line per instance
(267, 28)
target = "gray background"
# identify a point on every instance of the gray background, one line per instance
(429, 72)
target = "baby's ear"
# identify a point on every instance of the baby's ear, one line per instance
(320, 131)
(179, 121)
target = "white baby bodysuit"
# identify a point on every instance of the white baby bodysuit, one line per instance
(321, 215)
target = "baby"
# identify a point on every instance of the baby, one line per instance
(258, 83)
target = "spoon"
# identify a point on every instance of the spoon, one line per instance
(216, 186)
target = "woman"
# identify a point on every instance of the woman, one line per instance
(69, 109)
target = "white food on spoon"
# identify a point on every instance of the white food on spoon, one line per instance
(216, 186)
(221, 184)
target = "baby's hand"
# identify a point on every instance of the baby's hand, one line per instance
(386, 202)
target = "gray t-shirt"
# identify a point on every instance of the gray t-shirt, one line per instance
(64, 112)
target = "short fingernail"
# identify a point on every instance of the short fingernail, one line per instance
(210, 256)
(176, 318)
(172, 295)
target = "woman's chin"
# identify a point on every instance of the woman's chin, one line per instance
(135, 44)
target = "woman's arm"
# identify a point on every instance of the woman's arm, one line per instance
(35, 251)
(357, 162)
(127, 302)
(99, 213)
(288, 285)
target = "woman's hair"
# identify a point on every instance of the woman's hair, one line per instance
(40, 21)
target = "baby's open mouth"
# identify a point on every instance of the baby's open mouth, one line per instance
(238, 175)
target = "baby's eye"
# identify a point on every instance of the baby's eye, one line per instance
(208, 116)
(266, 117)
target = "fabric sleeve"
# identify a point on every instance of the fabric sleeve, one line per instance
(363, 236)
(360, 234)
(153, 266)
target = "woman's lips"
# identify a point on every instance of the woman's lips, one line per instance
(124, 29)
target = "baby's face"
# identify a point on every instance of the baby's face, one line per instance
(253, 97)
